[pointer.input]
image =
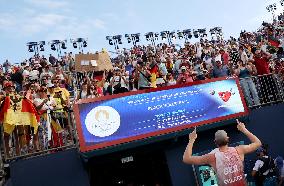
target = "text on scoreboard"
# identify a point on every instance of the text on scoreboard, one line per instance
(117, 120)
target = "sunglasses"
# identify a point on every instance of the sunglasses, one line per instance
(43, 90)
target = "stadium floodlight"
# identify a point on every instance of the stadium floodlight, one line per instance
(114, 40)
(85, 43)
(36, 46)
(79, 43)
(134, 38)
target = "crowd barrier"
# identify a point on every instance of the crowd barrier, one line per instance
(262, 90)
(23, 143)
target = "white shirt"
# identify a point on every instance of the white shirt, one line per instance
(116, 81)
(218, 57)
(26, 73)
(163, 69)
(34, 74)
(48, 105)
(173, 82)
(50, 74)
(199, 52)
(83, 94)
(244, 57)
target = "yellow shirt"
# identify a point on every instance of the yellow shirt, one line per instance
(65, 93)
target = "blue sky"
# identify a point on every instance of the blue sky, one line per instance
(22, 21)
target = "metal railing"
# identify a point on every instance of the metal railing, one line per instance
(263, 90)
(24, 142)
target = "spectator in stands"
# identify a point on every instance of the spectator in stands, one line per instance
(84, 92)
(220, 70)
(244, 72)
(280, 53)
(96, 89)
(7, 65)
(226, 161)
(60, 116)
(243, 55)
(52, 60)
(170, 80)
(44, 104)
(119, 82)
(185, 76)
(142, 75)
(18, 79)
(225, 56)
(261, 61)
(64, 93)
(200, 70)
(234, 56)
(46, 72)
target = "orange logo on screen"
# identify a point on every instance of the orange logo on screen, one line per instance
(225, 96)
(102, 115)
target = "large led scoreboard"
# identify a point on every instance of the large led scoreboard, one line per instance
(118, 119)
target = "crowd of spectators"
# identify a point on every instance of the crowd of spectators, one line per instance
(48, 82)
(52, 84)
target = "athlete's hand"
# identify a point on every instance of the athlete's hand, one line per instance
(241, 126)
(193, 135)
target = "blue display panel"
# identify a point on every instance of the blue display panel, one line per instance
(123, 119)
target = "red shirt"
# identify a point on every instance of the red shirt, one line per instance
(100, 91)
(261, 65)
(225, 57)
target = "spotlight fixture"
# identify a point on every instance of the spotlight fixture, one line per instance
(180, 34)
(36, 46)
(164, 35)
(272, 8)
(172, 35)
(152, 37)
(63, 45)
(41, 47)
(30, 48)
(202, 32)
(85, 43)
(196, 33)
(114, 40)
(79, 43)
(147, 37)
(109, 38)
(128, 38)
(187, 34)
(52, 46)
(216, 33)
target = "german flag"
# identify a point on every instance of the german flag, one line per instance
(16, 110)
(273, 41)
